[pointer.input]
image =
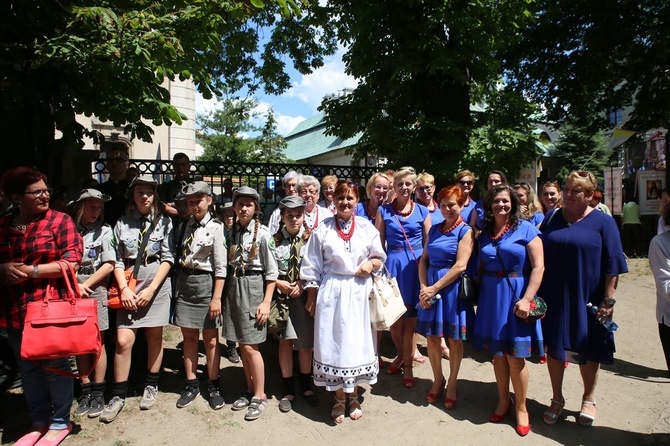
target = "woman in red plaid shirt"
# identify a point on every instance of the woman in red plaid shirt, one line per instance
(32, 239)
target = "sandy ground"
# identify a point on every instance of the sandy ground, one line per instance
(633, 400)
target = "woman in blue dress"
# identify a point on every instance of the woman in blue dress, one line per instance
(466, 181)
(425, 188)
(531, 209)
(377, 187)
(584, 258)
(445, 258)
(403, 226)
(477, 216)
(511, 264)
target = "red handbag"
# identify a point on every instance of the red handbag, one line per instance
(60, 328)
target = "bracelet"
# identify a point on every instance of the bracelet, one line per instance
(609, 301)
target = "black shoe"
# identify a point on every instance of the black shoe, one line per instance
(188, 396)
(97, 405)
(83, 405)
(215, 399)
(311, 398)
(232, 355)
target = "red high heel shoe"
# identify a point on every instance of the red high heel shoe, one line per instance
(522, 430)
(408, 382)
(433, 397)
(448, 402)
(495, 418)
(392, 369)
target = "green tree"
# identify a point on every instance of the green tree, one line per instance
(108, 58)
(581, 149)
(421, 65)
(582, 59)
(229, 135)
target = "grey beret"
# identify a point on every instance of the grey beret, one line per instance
(143, 179)
(291, 202)
(89, 193)
(198, 187)
(247, 192)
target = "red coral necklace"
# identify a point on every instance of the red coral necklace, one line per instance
(404, 214)
(502, 232)
(454, 226)
(340, 232)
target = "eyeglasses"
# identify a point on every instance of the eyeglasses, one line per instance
(308, 192)
(40, 192)
(424, 188)
(466, 183)
(589, 175)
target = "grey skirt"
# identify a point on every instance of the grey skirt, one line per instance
(157, 313)
(194, 294)
(243, 295)
(100, 294)
(300, 324)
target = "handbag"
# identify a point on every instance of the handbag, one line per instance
(114, 291)
(59, 328)
(538, 307)
(278, 317)
(468, 289)
(386, 304)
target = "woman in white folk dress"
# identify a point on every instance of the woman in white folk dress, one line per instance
(342, 253)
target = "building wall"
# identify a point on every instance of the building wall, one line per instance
(170, 139)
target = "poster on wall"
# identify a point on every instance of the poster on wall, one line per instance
(528, 175)
(613, 189)
(650, 183)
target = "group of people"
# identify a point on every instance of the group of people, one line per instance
(210, 275)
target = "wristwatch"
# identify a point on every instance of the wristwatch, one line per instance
(36, 272)
(609, 301)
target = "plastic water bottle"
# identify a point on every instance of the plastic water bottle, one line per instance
(610, 325)
(431, 301)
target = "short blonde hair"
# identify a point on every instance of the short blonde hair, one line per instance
(425, 177)
(585, 179)
(328, 179)
(371, 182)
(403, 172)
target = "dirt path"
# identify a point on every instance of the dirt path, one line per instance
(633, 401)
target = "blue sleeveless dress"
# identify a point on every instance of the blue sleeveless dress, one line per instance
(497, 329)
(403, 257)
(449, 317)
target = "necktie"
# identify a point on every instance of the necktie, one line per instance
(187, 244)
(140, 240)
(293, 273)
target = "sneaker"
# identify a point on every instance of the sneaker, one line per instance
(149, 397)
(97, 405)
(83, 405)
(187, 397)
(112, 409)
(243, 401)
(232, 355)
(215, 399)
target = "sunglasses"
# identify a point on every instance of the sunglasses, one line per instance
(466, 183)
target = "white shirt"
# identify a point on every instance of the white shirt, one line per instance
(659, 262)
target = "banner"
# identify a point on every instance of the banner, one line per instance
(613, 190)
(649, 185)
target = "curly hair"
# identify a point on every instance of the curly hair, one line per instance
(515, 211)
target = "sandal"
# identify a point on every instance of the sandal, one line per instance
(585, 419)
(448, 402)
(550, 417)
(433, 397)
(419, 358)
(337, 412)
(445, 353)
(256, 408)
(394, 369)
(355, 411)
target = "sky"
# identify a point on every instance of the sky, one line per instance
(301, 100)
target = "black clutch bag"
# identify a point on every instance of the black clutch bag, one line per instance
(468, 290)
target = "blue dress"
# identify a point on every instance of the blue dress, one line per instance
(497, 328)
(436, 216)
(466, 211)
(577, 258)
(449, 317)
(479, 209)
(402, 257)
(537, 218)
(361, 210)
